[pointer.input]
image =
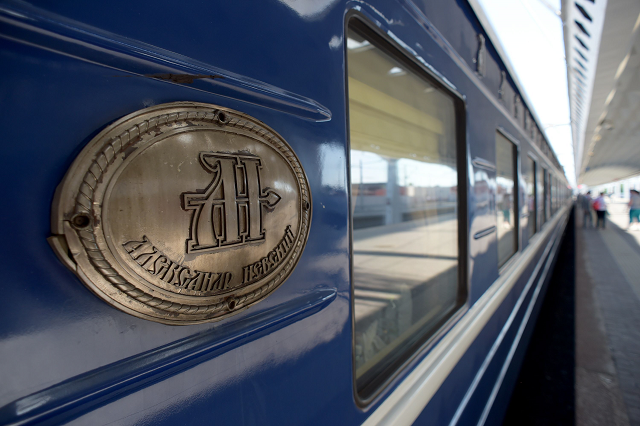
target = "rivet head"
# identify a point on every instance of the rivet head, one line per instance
(81, 221)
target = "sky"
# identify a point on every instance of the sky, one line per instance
(531, 35)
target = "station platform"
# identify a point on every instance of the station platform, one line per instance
(608, 321)
(582, 365)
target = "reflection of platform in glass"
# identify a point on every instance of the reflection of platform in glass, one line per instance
(405, 280)
(371, 210)
(506, 236)
(388, 318)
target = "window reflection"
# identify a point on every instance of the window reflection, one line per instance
(547, 197)
(553, 195)
(531, 197)
(505, 201)
(481, 193)
(540, 191)
(404, 210)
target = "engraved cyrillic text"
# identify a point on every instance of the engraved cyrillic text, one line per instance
(157, 264)
(265, 265)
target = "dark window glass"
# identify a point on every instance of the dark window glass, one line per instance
(554, 195)
(547, 196)
(404, 200)
(540, 195)
(550, 194)
(505, 198)
(531, 197)
(559, 183)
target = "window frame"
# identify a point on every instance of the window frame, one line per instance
(551, 212)
(534, 172)
(516, 197)
(554, 195)
(540, 194)
(545, 195)
(359, 23)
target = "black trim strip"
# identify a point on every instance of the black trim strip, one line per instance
(484, 164)
(484, 232)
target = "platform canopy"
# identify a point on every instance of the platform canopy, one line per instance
(603, 69)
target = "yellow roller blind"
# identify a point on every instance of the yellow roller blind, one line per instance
(387, 126)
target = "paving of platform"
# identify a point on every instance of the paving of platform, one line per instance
(603, 290)
(608, 322)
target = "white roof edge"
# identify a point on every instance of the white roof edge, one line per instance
(575, 136)
(484, 21)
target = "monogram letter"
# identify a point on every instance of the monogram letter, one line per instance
(229, 211)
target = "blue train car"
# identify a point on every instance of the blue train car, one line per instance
(281, 212)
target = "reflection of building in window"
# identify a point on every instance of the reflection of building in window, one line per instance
(404, 210)
(481, 193)
(416, 189)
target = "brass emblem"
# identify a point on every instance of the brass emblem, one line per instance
(183, 213)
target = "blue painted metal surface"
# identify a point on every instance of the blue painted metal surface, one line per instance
(71, 69)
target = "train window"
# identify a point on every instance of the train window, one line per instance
(505, 198)
(404, 209)
(547, 207)
(560, 194)
(554, 195)
(551, 205)
(531, 197)
(540, 195)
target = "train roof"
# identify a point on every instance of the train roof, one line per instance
(497, 45)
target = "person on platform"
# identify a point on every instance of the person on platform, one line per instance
(506, 210)
(600, 206)
(634, 208)
(585, 203)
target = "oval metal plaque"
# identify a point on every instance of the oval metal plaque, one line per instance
(183, 213)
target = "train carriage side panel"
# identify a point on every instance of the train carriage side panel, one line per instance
(71, 70)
